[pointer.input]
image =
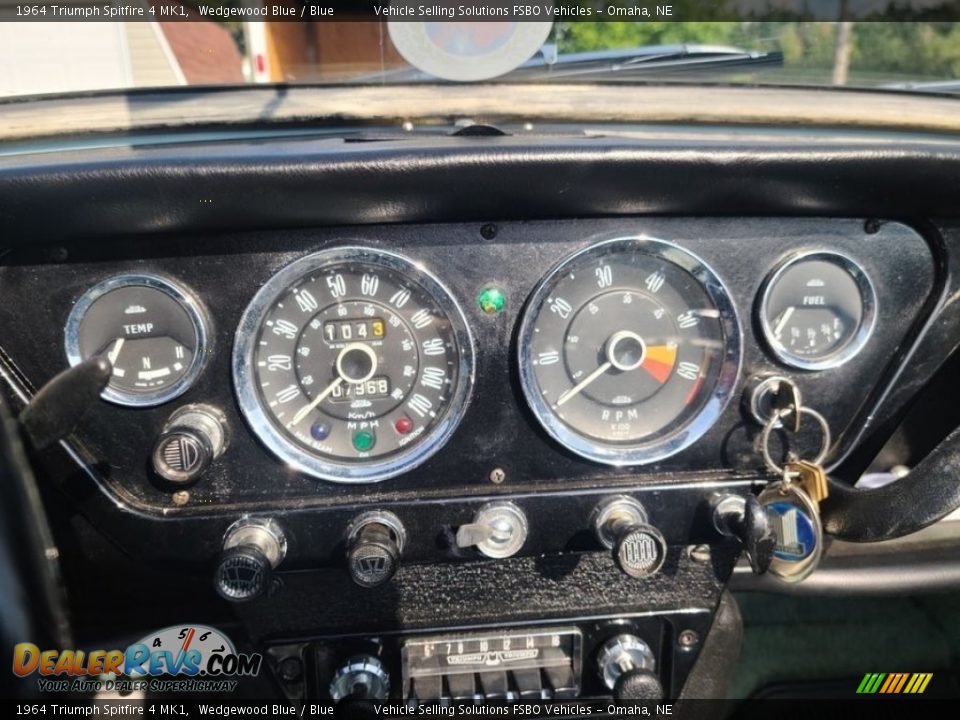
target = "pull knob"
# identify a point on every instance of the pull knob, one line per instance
(192, 438)
(58, 406)
(498, 530)
(252, 549)
(628, 668)
(620, 524)
(746, 520)
(375, 543)
(362, 677)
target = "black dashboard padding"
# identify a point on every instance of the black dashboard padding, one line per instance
(302, 183)
(930, 492)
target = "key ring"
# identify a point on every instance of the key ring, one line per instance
(774, 423)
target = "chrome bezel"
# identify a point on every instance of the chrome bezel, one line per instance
(244, 377)
(187, 300)
(694, 429)
(855, 344)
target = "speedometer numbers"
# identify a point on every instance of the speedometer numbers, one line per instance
(353, 364)
(629, 350)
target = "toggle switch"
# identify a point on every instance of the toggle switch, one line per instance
(498, 530)
(747, 520)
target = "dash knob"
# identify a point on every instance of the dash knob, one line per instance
(375, 543)
(620, 524)
(192, 438)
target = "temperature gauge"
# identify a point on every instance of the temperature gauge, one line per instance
(817, 310)
(152, 331)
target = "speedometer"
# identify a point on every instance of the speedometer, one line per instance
(629, 350)
(353, 364)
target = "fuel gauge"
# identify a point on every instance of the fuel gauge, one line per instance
(152, 331)
(817, 310)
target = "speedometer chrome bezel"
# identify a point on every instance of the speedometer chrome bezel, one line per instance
(868, 303)
(696, 427)
(368, 471)
(187, 300)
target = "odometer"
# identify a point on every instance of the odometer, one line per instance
(353, 364)
(629, 350)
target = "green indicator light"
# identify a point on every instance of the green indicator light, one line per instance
(492, 300)
(364, 440)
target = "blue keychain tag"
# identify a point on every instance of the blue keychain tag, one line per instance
(798, 532)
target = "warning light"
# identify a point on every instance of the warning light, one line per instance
(320, 430)
(492, 300)
(364, 440)
(403, 425)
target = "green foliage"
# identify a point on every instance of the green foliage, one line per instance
(918, 50)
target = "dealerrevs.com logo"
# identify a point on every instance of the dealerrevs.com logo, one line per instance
(179, 658)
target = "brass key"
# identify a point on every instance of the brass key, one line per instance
(810, 477)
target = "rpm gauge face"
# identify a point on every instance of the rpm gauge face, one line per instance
(353, 365)
(629, 350)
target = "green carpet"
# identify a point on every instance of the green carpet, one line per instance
(795, 640)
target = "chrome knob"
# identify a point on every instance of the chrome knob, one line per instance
(375, 543)
(362, 677)
(252, 549)
(498, 530)
(620, 524)
(192, 438)
(628, 668)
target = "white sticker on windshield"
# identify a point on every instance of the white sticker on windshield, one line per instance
(467, 50)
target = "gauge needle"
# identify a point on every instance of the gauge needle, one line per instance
(306, 409)
(112, 355)
(783, 321)
(343, 375)
(583, 383)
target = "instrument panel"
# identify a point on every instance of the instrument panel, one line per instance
(331, 394)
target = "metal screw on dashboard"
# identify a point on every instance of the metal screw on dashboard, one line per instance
(180, 498)
(688, 640)
(497, 476)
(699, 553)
(488, 231)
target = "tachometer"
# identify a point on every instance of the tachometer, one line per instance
(629, 350)
(353, 364)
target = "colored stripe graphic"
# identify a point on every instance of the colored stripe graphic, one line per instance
(894, 683)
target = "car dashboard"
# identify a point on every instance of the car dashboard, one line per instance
(460, 414)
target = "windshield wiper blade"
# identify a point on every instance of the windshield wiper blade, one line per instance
(929, 86)
(625, 63)
(651, 59)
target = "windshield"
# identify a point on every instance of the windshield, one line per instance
(89, 46)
